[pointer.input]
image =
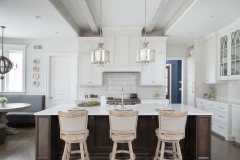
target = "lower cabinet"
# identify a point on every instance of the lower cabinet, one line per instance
(222, 116)
(99, 140)
(235, 122)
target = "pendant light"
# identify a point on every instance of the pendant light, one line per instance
(145, 55)
(100, 56)
(5, 64)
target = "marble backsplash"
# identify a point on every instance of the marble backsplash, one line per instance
(114, 82)
(228, 91)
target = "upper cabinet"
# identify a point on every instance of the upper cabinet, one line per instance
(209, 67)
(89, 74)
(153, 74)
(229, 55)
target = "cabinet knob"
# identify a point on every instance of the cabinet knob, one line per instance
(92, 117)
(152, 117)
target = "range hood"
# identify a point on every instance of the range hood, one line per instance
(121, 68)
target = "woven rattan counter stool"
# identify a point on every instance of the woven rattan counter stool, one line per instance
(73, 129)
(171, 130)
(123, 125)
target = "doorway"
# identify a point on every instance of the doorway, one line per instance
(174, 81)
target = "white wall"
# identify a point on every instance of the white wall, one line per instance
(49, 46)
(176, 51)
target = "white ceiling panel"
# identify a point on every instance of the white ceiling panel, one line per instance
(197, 23)
(19, 17)
(119, 13)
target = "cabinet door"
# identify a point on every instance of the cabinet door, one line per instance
(121, 52)
(199, 105)
(135, 44)
(109, 45)
(147, 74)
(159, 69)
(95, 75)
(211, 60)
(235, 122)
(190, 64)
(84, 68)
(224, 45)
(205, 59)
(234, 54)
(205, 106)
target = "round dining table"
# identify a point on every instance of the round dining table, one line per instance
(9, 107)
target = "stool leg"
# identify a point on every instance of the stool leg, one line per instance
(114, 150)
(174, 149)
(64, 152)
(81, 150)
(68, 150)
(157, 150)
(86, 150)
(130, 150)
(179, 151)
(162, 150)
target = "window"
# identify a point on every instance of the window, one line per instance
(14, 81)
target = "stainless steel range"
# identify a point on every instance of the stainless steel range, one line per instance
(117, 101)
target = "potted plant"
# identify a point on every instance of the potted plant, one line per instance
(3, 100)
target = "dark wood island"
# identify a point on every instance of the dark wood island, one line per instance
(196, 145)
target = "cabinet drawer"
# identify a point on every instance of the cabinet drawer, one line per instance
(220, 108)
(219, 116)
(219, 126)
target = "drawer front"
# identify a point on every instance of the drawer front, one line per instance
(219, 116)
(220, 108)
(219, 126)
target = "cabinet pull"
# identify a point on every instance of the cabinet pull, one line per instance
(210, 105)
(221, 116)
(192, 87)
(221, 107)
(221, 127)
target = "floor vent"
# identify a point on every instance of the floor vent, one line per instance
(37, 47)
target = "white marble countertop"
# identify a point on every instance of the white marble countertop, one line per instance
(229, 102)
(144, 109)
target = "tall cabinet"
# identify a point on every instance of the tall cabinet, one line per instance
(190, 81)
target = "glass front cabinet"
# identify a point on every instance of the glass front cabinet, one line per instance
(230, 55)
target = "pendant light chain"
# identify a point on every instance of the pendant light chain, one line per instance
(100, 21)
(2, 39)
(145, 19)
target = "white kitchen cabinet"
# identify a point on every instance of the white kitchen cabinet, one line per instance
(222, 116)
(190, 96)
(155, 101)
(209, 47)
(235, 122)
(110, 45)
(199, 104)
(89, 74)
(153, 74)
(229, 55)
(134, 45)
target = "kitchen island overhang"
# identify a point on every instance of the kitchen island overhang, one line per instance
(196, 145)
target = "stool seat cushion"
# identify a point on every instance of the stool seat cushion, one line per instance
(169, 137)
(74, 137)
(123, 137)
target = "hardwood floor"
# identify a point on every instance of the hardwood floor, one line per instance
(22, 147)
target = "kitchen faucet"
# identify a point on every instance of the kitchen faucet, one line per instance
(122, 98)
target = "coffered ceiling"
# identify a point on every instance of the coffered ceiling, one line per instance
(181, 20)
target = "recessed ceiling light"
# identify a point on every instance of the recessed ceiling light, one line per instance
(213, 16)
(191, 32)
(38, 17)
(56, 32)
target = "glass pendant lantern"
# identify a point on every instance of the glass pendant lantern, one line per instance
(145, 55)
(100, 56)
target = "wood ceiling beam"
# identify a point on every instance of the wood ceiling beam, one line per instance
(60, 7)
(157, 12)
(178, 15)
(84, 6)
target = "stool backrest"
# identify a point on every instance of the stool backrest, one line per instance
(172, 122)
(123, 122)
(73, 123)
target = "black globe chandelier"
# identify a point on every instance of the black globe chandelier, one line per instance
(5, 64)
